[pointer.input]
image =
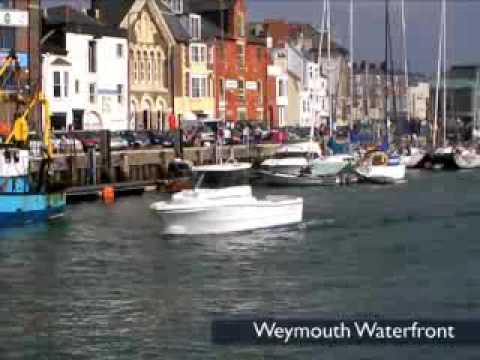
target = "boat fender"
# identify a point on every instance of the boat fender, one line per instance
(108, 194)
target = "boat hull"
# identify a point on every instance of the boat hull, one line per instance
(17, 209)
(467, 161)
(278, 179)
(414, 161)
(382, 174)
(445, 161)
(233, 218)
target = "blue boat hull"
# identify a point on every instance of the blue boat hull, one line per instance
(18, 209)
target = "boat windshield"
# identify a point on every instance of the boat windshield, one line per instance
(221, 179)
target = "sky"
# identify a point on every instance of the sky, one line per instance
(422, 19)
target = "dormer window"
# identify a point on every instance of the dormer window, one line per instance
(176, 6)
(195, 27)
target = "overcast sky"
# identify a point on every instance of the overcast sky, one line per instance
(423, 24)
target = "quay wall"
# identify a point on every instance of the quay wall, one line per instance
(140, 165)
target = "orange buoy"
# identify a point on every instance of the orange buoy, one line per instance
(108, 194)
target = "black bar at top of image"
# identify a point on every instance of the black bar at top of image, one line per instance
(333, 332)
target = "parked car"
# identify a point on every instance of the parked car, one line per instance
(117, 142)
(163, 139)
(136, 139)
(88, 139)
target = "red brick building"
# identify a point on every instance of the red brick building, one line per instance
(240, 63)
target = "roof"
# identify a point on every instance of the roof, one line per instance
(176, 27)
(112, 12)
(61, 62)
(72, 20)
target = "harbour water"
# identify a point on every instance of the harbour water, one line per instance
(105, 284)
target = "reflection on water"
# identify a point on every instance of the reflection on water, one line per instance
(104, 283)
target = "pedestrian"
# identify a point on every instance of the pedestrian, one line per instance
(246, 135)
(227, 134)
(258, 135)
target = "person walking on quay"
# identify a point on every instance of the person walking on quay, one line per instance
(246, 135)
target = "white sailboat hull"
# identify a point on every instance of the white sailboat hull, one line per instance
(467, 161)
(414, 160)
(382, 174)
(226, 210)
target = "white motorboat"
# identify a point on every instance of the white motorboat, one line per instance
(217, 211)
(378, 168)
(292, 158)
(227, 209)
(413, 158)
(466, 158)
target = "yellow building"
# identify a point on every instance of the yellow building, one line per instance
(194, 76)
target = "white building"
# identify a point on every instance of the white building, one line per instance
(85, 72)
(312, 89)
(418, 100)
(279, 70)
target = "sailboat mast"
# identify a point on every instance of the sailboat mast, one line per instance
(437, 86)
(351, 65)
(444, 7)
(385, 75)
(405, 54)
(329, 68)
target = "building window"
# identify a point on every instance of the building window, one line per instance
(199, 86)
(211, 55)
(176, 6)
(222, 88)
(92, 56)
(242, 114)
(120, 51)
(241, 56)
(120, 93)
(259, 53)
(260, 92)
(281, 88)
(142, 68)
(195, 27)
(154, 67)
(165, 73)
(149, 70)
(93, 93)
(187, 84)
(77, 86)
(66, 83)
(260, 115)
(57, 84)
(198, 53)
(240, 25)
(221, 48)
(241, 89)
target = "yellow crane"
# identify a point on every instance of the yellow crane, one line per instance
(20, 132)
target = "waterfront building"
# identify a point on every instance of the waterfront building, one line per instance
(309, 88)
(194, 62)
(151, 52)
(463, 100)
(419, 100)
(240, 62)
(85, 71)
(20, 31)
(369, 94)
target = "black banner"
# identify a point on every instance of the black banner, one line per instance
(271, 331)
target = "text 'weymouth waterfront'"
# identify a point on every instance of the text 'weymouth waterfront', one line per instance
(354, 330)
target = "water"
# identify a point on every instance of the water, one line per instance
(104, 284)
